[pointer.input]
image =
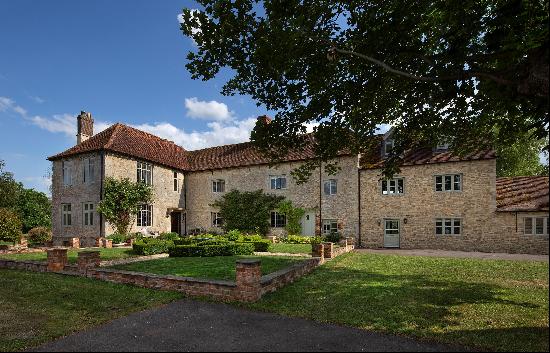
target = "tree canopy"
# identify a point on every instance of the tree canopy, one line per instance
(521, 158)
(456, 70)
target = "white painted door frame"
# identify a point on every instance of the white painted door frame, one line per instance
(392, 233)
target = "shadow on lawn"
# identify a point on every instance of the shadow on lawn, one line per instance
(411, 304)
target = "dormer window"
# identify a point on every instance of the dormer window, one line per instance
(388, 146)
(442, 147)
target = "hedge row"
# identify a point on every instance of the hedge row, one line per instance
(152, 246)
(229, 249)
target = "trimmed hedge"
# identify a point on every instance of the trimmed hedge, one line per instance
(152, 246)
(296, 239)
(169, 236)
(259, 245)
(229, 249)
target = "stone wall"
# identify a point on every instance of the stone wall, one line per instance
(483, 229)
(508, 235)
(75, 194)
(165, 197)
(342, 206)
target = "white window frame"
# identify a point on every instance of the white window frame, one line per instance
(277, 182)
(392, 184)
(218, 185)
(330, 187)
(144, 173)
(145, 216)
(453, 182)
(88, 170)
(66, 215)
(87, 214)
(66, 169)
(449, 226)
(533, 225)
(217, 219)
(278, 220)
(330, 226)
(176, 185)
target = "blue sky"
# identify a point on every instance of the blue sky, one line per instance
(123, 61)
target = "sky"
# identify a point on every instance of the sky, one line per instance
(123, 61)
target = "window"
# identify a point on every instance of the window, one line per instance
(88, 214)
(277, 220)
(145, 216)
(67, 171)
(217, 220)
(448, 226)
(442, 146)
(145, 173)
(392, 186)
(330, 187)
(218, 185)
(449, 182)
(388, 146)
(536, 225)
(176, 183)
(66, 214)
(330, 226)
(88, 170)
(278, 182)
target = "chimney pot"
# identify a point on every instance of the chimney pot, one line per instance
(264, 119)
(85, 127)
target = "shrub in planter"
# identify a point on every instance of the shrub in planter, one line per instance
(40, 235)
(10, 226)
(332, 237)
(117, 238)
(229, 249)
(152, 246)
(169, 236)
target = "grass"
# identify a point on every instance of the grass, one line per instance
(38, 307)
(218, 267)
(488, 304)
(105, 254)
(290, 248)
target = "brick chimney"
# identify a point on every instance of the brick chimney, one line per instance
(85, 125)
(264, 119)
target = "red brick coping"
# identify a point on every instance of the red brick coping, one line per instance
(249, 284)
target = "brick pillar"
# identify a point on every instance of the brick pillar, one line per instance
(98, 242)
(350, 241)
(107, 243)
(328, 250)
(88, 259)
(57, 259)
(23, 242)
(74, 243)
(249, 274)
(317, 250)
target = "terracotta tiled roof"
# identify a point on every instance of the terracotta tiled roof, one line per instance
(241, 154)
(128, 141)
(427, 156)
(528, 193)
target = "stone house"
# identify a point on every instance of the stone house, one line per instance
(438, 200)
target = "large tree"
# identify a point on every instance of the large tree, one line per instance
(455, 70)
(521, 158)
(9, 188)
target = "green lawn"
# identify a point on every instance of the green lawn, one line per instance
(105, 254)
(290, 248)
(37, 307)
(490, 304)
(218, 267)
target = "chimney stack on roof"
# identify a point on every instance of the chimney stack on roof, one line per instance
(85, 127)
(264, 119)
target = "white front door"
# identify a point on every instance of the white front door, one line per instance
(391, 233)
(308, 223)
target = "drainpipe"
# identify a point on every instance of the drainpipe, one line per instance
(320, 199)
(359, 207)
(101, 225)
(185, 203)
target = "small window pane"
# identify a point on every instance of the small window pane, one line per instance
(384, 187)
(528, 225)
(457, 183)
(539, 226)
(448, 182)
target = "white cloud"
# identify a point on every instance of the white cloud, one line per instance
(8, 105)
(64, 123)
(211, 110)
(37, 99)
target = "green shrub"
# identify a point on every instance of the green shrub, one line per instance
(233, 235)
(169, 236)
(10, 226)
(117, 238)
(332, 237)
(150, 246)
(211, 242)
(259, 245)
(296, 239)
(230, 249)
(252, 237)
(39, 235)
(184, 241)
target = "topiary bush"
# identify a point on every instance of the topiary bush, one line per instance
(39, 235)
(230, 249)
(150, 246)
(169, 236)
(233, 235)
(10, 226)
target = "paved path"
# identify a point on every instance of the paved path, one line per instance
(458, 254)
(189, 325)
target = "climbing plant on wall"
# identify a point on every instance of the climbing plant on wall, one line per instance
(293, 217)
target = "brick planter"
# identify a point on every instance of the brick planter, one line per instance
(328, 249)
(107, 243)
(87, 260)
(57, 259)
(249, 275)
(317, 250)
